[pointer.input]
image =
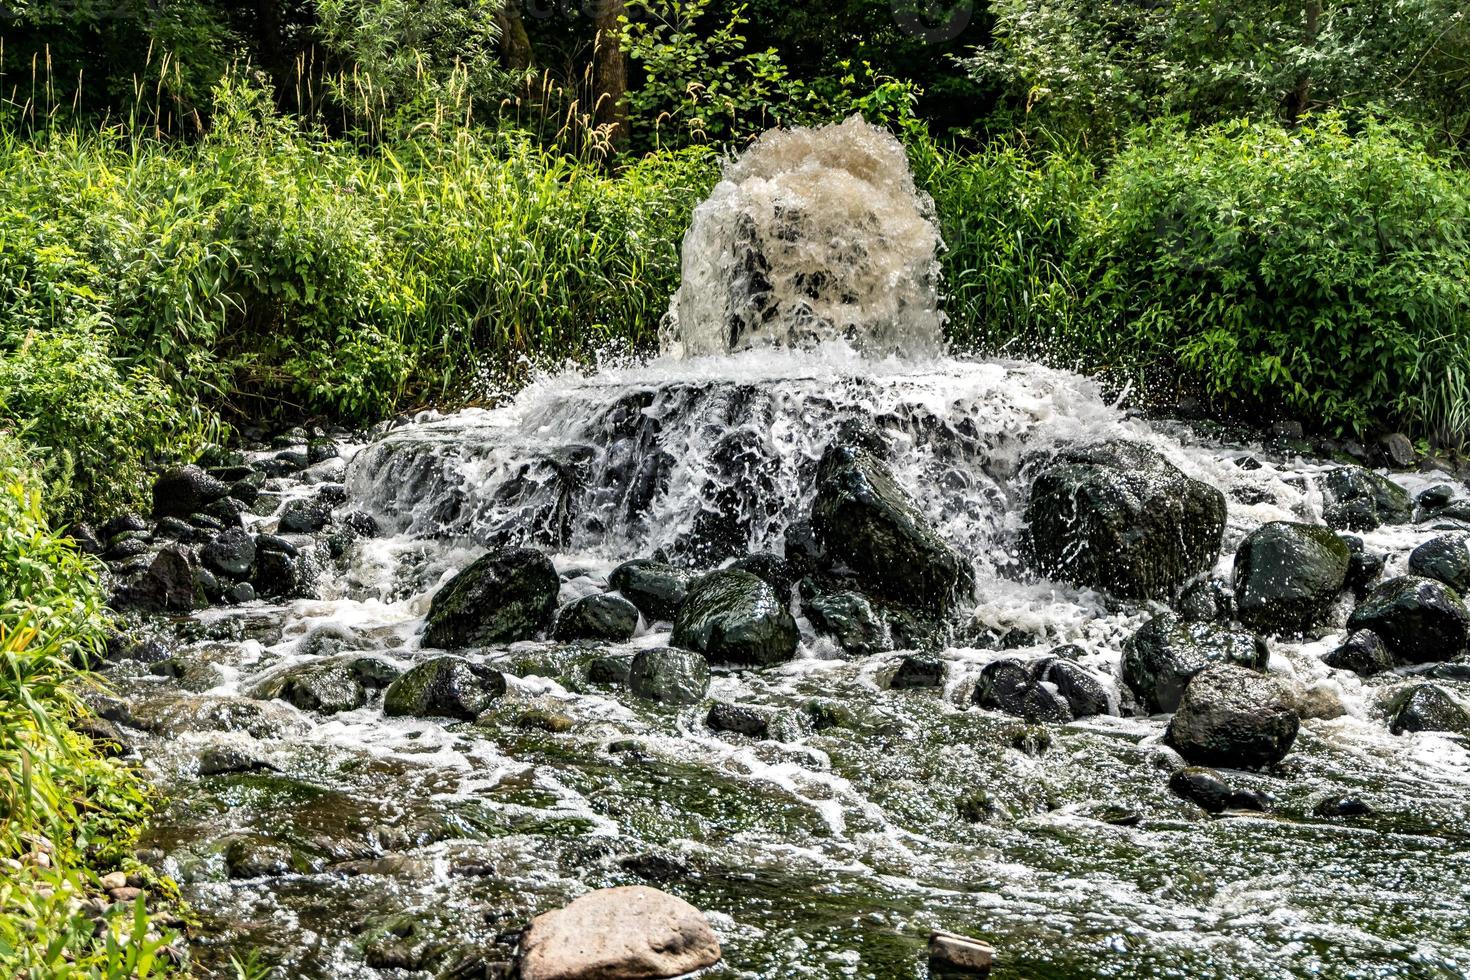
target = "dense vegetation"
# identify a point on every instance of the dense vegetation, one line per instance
(214, 215)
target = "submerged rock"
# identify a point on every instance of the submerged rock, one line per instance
(1118, 516)
(1420, 620)
(1166, 652)
(1445, 559)
(1363, 653)
(1357, 499)
(1288, 575)
(445, 687)
(504, 596)
(1427, 708)
(634, 932)
(597, 617)
(864, 519)
(669, 676)
(735, 618)
(656, 588)
(1233, 717)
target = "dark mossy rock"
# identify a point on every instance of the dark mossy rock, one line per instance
(865, 520)
(444, 687)
(736, 619)
(1160, 659)
(1203, 786)
(305, 515)
(1445, 559)
(1206, 601)
(1427, 708)
(1364, 568)
(247, 488)
(328, 686)
(1084, 693)
(597, 617)
(504, 596)
(1235, 718)
(1357, 499)
(88, 541)
(126, 546)
(1419, 619)
(656, 588)
(169, 585)
(803, 551)
(1288, 575)
(121, 524)
(848, 618)
(228, 511)
(610, 669)
(738, 719)
(229, 553)
(278, 575)
(320, 450)
(1011, 686)
(774, 570)
(1363, 652)
(177, 529)
(1118, 516)
(238, 593)
(916, 671)
(185, 490)
(669, 676)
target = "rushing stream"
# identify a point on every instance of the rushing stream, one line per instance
(350, 844)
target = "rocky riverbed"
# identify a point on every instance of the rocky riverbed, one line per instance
(839, 653)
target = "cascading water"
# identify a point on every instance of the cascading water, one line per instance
(864, 816)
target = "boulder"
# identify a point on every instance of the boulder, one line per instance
(1445, 559)
(170, 584)
(1205, 787)
(1011, 686)
(444, 687)
(656, 588)
(628, 933)
(1357, 499)
(229, 553)
(278, 575)
(669, 676)
(1084, 693)
(1420, 620)
(1233, 717)
(597, 617)
(504, 596)
(185, 490)
(738, 719)
(865, 520)
(734, 618)
(774, 570)
(1160, 659)
(1288, 575)
(1427, 708)
(1206, 601)
(328, 686)
(917, 670)
(1118, 516)
(1363, 653)
(1364, 568)
(848, 618)
(305, 515)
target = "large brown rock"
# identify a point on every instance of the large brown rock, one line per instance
(632, 933)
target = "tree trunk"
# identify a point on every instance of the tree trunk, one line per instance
(1301, 96)
(610, 74)
(515, 43)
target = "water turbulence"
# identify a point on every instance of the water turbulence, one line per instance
(828, 811)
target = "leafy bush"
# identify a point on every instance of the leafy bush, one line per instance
(1319, 272)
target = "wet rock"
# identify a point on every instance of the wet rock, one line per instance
(190, 673)
(735, 618)
(865, 520)
(1233, 717)
(953, 957)
(1012, 687)
(503, 597)
(1445, 559)
(771, 569)
(1364, 568)
(1395, 449)
(177, 529)
(86, 539)
(916, 671)
(611, 669)
(597, 617)
(1085, 694)
(360, 524)
(143, 649)
(328, 686)
(1118, 516)
(803, 551)
(1250, 799)
(257, 857)
(205, 522)
(1206, 601)
(1363, 653)
(1427, 708)
(229, 760)
(669, 676)
(1343, 806)
(305, 516)
(1420, 620)
(228, 511)
(629, 932)
(1288, 575)
(246, 489)
(277, 575)
(1166, 652)
(739, 719)
(275, 543)
(444, 687)
(1356, 499)
(231, 553)
(185, 490)
(105, 736)
(656, 588)
(849, 618)
(170, 585)
(1202, 786)
(320, 450)
(175, 716)
(125, 546)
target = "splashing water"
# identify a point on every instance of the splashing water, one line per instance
(813, 234)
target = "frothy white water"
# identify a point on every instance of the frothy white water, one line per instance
(813, 234)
